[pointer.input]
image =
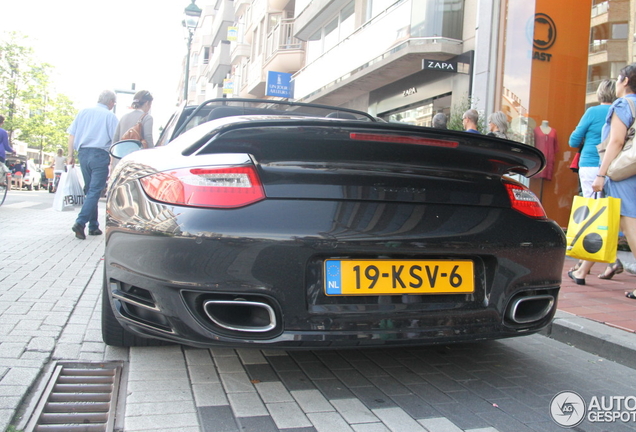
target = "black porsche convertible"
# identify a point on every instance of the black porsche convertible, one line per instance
(281, 224)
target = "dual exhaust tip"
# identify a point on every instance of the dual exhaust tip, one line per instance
(259, 317)
(241, 315)
(525, 309)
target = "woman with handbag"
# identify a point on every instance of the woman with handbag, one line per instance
(586, 136)
(620, 119)
(137, 119)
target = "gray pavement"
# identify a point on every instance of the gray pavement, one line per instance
(49, 311)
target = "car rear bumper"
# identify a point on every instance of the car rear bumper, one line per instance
(174, 280)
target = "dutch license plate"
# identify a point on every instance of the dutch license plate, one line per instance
(394, 277)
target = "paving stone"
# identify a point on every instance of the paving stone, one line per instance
(440, 424)
(203, 374)
(283, 363)
(333, 361)
(174, 421)
(334, 389)
(352, 378)
(20, 376)
(179, 374)
(372, 397)
(12, 350)
(237, 383)
(158, 396)
(261, 372)
(288, 415)
(146, 409)
(209, 394)
(329, 422)
(228, 364)
(159, 385)
(354, 411)
(415, 406)
(251, 356)
(296, 380)
(272, 392)
(246, 404)
(397, 420)
(370, 427)
(198, 357)
(312, 401)
(217, 419)
(257, 424)
(316, 370)
(390, 385)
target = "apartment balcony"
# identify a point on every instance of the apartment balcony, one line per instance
(369, 58)
(609, 12)
(239, 50)
(603, 51)
(240, 6)
(283, 53)
(219, 65)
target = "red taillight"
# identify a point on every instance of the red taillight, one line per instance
(401, 139)
(525, 201)
(206, 187)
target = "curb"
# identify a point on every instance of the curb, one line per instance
(593, 337)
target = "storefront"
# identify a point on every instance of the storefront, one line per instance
(543, 86)
(417, 98)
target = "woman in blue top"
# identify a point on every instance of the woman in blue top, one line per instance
(619, 119)
(588, 135)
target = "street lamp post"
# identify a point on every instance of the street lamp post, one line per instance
(192, 14)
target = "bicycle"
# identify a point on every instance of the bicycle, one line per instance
(4, 185)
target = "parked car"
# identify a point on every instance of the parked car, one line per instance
(32, 177)
(304, 226)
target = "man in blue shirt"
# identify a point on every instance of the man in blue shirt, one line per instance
(91, 134)
(470, 120)
(4, 142)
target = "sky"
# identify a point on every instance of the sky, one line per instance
(95, 45)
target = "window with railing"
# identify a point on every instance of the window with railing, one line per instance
(600, 8)
(281, 38)
(598, 46)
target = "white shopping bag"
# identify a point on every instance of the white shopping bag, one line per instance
(70, 190)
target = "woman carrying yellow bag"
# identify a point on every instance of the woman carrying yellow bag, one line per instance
(619, 120)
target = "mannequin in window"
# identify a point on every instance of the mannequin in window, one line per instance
(545, 139)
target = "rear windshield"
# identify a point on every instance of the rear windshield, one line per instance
(219, 108)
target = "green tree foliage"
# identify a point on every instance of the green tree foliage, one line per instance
(34, 114)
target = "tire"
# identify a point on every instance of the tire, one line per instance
(113, 333)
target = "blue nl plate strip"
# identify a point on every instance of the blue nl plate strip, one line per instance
(333, 276)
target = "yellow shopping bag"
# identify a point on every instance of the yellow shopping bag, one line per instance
(593, 229)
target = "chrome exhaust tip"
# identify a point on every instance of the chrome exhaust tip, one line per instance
(527, 309)
(241, 315)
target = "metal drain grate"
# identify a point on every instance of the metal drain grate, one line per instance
(78, 397)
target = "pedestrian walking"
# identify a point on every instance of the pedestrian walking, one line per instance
(619, 120)
(440, 121)
(59, 166)
(17, 171)
(4, 142)
(142, 103)
(91, 134)
(498, 124)
(587, 135)
(470, 120)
